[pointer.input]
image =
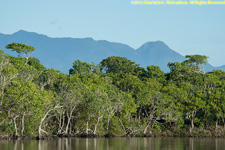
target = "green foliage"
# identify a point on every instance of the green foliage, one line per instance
(116, 97)
(82, 68)
(21, 48)
(116, 64)
(115, 127)
(196, 60)
(154, 72)
(34, 62)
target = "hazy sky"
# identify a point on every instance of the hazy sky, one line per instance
(187, 29)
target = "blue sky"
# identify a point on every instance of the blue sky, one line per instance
(187, 29)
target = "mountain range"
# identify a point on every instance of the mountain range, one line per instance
(60, 53)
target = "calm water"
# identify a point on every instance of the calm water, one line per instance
(116, 144)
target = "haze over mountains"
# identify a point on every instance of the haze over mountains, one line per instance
(60, 53)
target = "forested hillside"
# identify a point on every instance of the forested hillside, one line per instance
(116, 97)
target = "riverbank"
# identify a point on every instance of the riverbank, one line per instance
(176, 132)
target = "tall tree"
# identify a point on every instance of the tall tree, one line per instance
(21, 48)
(196, 60)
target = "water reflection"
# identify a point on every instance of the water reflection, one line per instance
(116, 144)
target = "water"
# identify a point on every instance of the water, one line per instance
(116, 144)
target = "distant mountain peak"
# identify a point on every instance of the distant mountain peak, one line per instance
(153, 45)
(21, 31)
(27, 33)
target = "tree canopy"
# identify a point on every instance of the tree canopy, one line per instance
(116, 97)
(21, 48)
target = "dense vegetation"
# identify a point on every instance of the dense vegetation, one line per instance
(116, 97)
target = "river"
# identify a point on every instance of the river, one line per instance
(116, 144)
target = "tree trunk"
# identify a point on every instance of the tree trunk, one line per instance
(109, 118)
(71, 123)
(139, 116)
(42, 120)
(203, 68)
(192, 121)
(96, 125)
(69, 118)
(87, 128)
(27, 59)
(107, 128)
(223, 119)
(122, 125)
(217, 120)
(63, 122)
(60, 122)
(146, 128)
(68, 122)
(14, 123)
(192, 125)
(22, 124)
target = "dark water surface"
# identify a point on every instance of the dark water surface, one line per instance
(116, 144)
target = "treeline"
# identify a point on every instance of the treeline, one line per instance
(116, 97)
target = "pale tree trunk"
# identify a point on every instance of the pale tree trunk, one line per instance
(42, 86)
(14, 123)
(107, 128)
(42, 120)
(192, 121)
(203, 68)
(217, 120)
(149, 119)
(26, 61)
(111, 114)
(39, 128)
(70, 131)
(146, 128)
(139, 115)
(61, 123)
(27, 58)
(69, 116)
(223, 119)
(22, 124)
(122, 124)
(87, 128)
(96, 125)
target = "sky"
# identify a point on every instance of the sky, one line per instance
(187, 29)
